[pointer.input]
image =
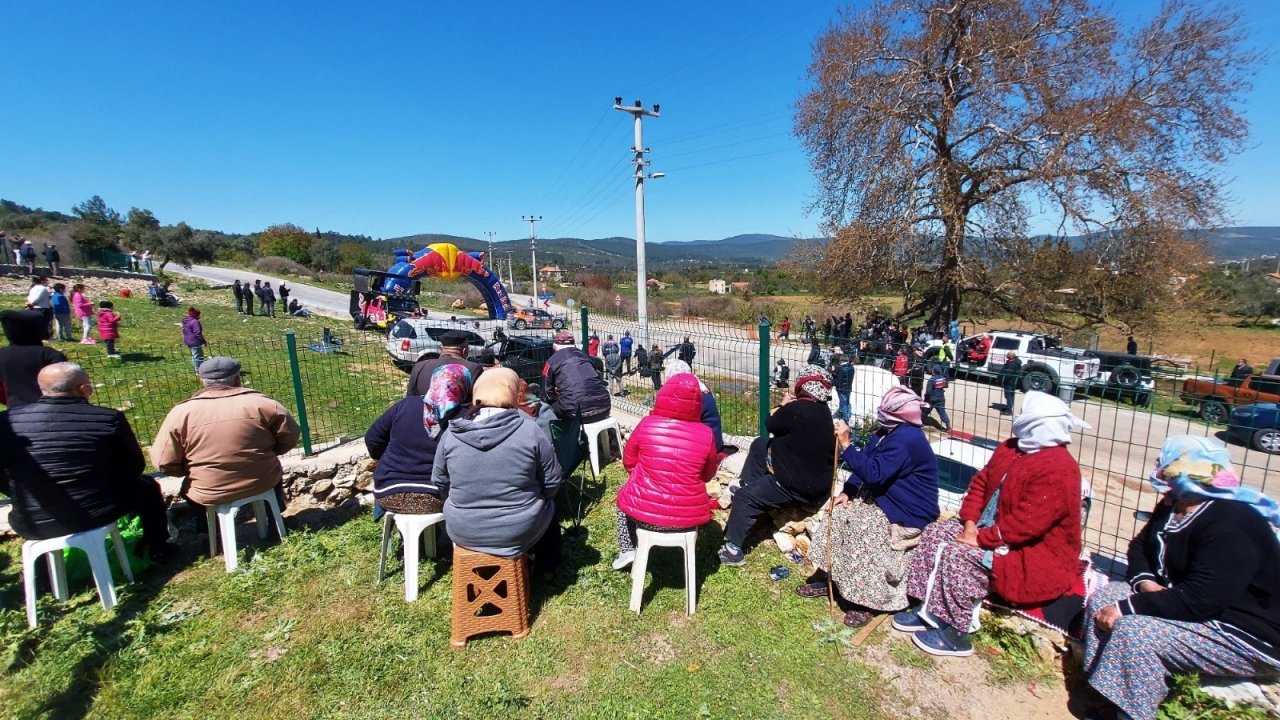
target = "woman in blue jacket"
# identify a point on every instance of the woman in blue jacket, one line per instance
(890, 496)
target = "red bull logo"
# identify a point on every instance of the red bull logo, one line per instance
(447, 262)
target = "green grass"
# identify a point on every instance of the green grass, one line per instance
(303, 631)
(1011, 657)
(344, 391)
(909, 656)
(1187, 701)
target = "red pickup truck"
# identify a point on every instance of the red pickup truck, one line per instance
(1213, 399)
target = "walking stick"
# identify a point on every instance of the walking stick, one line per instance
(831, 519)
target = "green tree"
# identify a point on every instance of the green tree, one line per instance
(179, 244)
(940, 130)
(141, 231)
(1255, 297)
(352, 256)
(324, 255)
(286, 240)
(96, 226)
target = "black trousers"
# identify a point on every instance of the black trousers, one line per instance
(758, 494)
(239, 303)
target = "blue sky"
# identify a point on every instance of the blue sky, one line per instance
(389, 119)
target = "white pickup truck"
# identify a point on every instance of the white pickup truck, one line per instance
(1046, 366)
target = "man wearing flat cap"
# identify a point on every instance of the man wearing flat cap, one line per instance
(226, 439)
(453, 351)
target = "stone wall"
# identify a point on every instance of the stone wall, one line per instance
(325, 484)
(72, 272)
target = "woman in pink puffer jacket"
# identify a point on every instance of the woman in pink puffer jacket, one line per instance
(671, 456)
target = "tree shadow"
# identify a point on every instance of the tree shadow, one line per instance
(669, 571)
(576, 553)
(141, 357)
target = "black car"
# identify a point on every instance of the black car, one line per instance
(1257, 426)
(527, 355)
(1123, 376)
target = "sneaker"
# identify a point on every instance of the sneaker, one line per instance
(729, 556)
(944, 641)
(115, 356)
(624, 560)
(909, 621)
(87, 341)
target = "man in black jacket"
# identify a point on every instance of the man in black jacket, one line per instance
(246, 291)
(572, 383)
(70, 466)
(22, 358)
(453, 351)
(1010, 374)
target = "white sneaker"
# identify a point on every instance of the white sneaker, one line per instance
(624, 560)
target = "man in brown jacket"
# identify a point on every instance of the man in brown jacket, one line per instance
(226, 439)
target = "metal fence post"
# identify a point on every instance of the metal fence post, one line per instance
(582, 312)
(766, 390)
(292, 343)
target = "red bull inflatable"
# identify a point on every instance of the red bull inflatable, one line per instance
(447, 262)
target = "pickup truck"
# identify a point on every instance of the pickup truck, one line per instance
(1213, 399)
(1046, 365)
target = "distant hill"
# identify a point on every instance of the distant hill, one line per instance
(1238, 243)
(620, 252)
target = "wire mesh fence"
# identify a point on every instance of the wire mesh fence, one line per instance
(1131, 408)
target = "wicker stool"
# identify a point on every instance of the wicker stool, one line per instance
(490, 594)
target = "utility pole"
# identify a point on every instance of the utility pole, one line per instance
(533, 250)
(642, 290)
(488, 257)
(511, 278)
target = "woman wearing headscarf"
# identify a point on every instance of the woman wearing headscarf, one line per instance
(793, 465)
(710, 413)
(404, 442)
(669, 457)
(1202, 591)
(500, 474)
(1018, 534)
(890, 497)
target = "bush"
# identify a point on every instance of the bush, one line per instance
(282, 266)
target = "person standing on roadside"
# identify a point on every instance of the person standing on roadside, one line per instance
(62, 312)
(83, 308)
(257, 292)
(655, 366)
(624, 347)
(935, 395)
(284, 295)
(247, 293)
(193, 336)
(39, 298)
(235, 292)
(1010, 374)
(52, 257)
(842, 382)
(268, 300)
(1131, 347)
(784, 331)
(613, 365)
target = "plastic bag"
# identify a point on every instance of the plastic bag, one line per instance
(77, 562)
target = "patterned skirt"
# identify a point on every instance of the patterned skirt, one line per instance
(869, 555)
(948, 577)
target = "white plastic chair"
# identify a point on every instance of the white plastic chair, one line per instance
(226, 517)
(647, 540)
(593, 431)
(92, 543)
(411, 528)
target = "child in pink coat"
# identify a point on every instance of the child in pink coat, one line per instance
(108, 326)
(83, 308)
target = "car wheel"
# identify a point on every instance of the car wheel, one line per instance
(1268, 441)
(1038, 380)
(1213, 411)
(521, 324)
(1126, 376)
(557, 324)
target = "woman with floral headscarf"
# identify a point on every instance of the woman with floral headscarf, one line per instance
(1018, 534)
(1202, 591)
(793, 465)
(889, 498)
(404, 441)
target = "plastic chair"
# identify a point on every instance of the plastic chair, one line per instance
(411, 528)
(226, 516)
(490, 594)
(647, 540)
(593, 431)
(89, 541)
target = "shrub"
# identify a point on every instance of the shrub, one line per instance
(281, 266)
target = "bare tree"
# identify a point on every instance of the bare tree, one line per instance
(941, 130)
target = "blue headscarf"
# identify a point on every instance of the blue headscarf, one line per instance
(1199, 468)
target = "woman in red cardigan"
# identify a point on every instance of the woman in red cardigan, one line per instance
(671, 456)
(1018, 534)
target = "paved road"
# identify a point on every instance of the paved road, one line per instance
(317, 300)
(1115, 455)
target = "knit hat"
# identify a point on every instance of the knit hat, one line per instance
(815, 382)
(899, 405)
(496, 387)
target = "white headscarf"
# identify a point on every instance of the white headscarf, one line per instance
(680, 367)
(1045, 421)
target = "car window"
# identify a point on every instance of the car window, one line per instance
(1270, 386)
(403, 329)
(474, 339)
(435, 332)
(1006, 343)
(954, 476)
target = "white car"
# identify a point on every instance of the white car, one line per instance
(870, 383)
(959, 460)
(414, 339)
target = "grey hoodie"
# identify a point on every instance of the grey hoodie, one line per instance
(501, 475)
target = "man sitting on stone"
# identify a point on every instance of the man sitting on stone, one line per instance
(225, 440)
(71, 466)
(453, 350)
(571, 382)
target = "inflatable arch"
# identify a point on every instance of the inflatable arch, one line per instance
(447, 262)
